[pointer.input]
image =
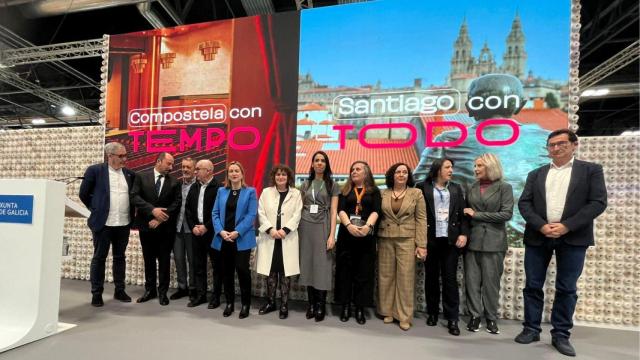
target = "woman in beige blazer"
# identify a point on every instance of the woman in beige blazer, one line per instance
(277, 257)
(490, 202)
(402, 237)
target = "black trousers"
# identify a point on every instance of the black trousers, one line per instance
(442, 261)
(117, 237)
(355, 269)
(201, 250)
(231, 261)
(156, 246)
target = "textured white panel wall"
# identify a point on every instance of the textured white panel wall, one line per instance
(609, 289)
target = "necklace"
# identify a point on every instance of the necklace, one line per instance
(396, 197)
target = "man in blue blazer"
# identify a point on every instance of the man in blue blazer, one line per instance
(105, 191)
(559, 203)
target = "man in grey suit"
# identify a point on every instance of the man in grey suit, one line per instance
(559, 203)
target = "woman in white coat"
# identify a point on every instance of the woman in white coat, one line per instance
(279, 211)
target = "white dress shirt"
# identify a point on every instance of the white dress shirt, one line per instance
(118, 199)
(556, 187)
(155, 178)
(203, 188)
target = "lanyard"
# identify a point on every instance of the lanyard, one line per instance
(313, 191)
(359, 199)
(440, 193)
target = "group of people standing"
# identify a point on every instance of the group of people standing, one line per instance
(434, 221)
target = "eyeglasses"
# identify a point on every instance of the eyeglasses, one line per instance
(559, 144)
(121, 156)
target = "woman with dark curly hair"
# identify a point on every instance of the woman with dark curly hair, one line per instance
(277, 256)
(447, 231)
(402, 237)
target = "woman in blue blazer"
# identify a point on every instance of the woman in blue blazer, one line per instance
(234, 214)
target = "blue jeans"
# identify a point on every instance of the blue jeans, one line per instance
(569, 263)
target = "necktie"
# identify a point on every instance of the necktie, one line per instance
(159, 184)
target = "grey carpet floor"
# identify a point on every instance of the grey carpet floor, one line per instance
(175, 332)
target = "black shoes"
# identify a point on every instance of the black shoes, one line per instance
(492, 327)
(563, 346)
(321, 311)
(452, 325)
(197, 301)
(122, 296)
(284, 311)
(179, 294)
(360, 318)
(228, 310)
(163, 299)
(244, 311)
(321, 304)
(96, 300)
(345, 314)
(214, 303)
(432, 320)
(311, 298)
(527, 336)
(148, 295)
(474, 324)
(311, 311)
(270, 306)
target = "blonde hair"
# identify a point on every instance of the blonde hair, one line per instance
(492, 166)
(227, 182)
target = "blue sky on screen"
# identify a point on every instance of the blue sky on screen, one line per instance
(395, 41)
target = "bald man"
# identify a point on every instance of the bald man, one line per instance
(198, 207)
(157, 197)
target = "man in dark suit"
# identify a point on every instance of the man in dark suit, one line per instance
(157, 198)
(199, 205)
(559, 203)
(447, 232)
(105, 191)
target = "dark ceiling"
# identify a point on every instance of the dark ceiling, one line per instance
(607, 28)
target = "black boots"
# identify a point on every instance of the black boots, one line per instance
(285, 284)
(311, 298)
(270, 306)
(321, 305)
(272, 285)
(360, 316)
(345, 314)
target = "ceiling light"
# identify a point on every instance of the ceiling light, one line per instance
(68, 110)
(38, 121)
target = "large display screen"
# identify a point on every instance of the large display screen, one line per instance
(384, 82)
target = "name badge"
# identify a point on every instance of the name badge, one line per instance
(442, 215)
(356, 220)
(313, 208)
